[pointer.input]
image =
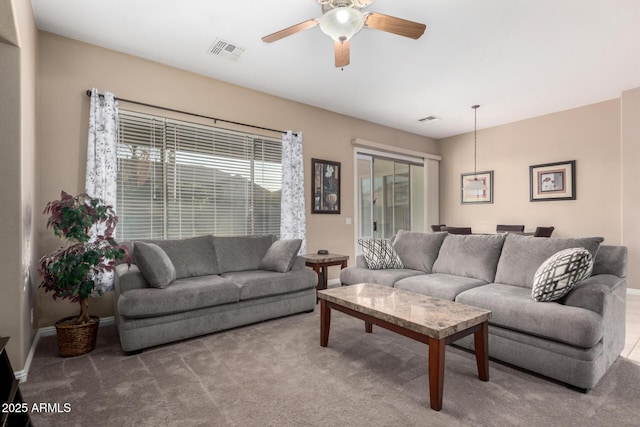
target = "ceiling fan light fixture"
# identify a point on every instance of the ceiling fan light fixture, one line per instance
(341, 23)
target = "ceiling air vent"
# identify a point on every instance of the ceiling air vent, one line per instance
(429, 119)
(226, 50)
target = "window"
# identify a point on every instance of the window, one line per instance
(178, 179)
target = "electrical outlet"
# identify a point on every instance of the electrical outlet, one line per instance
(348, 221)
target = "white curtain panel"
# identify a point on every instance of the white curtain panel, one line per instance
(292, 217)
(102, 167)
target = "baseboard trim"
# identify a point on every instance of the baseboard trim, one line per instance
(635, 292)
(48, 331)
(21, 376)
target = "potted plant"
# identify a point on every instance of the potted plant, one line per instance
(72, 271)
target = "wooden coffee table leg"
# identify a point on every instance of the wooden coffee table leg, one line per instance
(316, 268)
(368, 327)
(325, 276)
(436, 372)
(325, 322)
(481, 343)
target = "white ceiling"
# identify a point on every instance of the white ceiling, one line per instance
(516, 58)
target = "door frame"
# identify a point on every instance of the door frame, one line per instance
(430, 162)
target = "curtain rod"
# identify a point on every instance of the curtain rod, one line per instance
(215, 119)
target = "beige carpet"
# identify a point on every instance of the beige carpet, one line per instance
(276, 374)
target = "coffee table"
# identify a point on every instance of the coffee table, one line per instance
(433, 321)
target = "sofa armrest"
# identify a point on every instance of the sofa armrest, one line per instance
(593, 292)
(128, 277)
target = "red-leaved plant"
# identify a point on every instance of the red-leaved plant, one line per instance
(71, 271)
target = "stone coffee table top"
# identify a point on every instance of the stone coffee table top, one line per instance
(433, 317)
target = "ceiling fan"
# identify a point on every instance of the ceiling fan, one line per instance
(342, 19)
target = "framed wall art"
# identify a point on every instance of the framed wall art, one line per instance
(476, 196)
(325, 190)
(552, 181)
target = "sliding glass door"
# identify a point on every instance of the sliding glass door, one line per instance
(390, 196)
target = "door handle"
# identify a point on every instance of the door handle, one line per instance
(375, 226)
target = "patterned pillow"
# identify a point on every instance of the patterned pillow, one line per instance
(380, 254)
(560, 273)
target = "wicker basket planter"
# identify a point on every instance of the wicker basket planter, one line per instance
(70, 272)
(74, 340)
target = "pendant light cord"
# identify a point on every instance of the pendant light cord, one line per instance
(475, 138)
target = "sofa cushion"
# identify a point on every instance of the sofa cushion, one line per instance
(512, 307)
(418, 251)
(240, 253)
(154, 264)
(262, 283)
(438, 285)
(380, 254)
(560, 273)
(355, 275)
(470, 255)
(191, 257)
(281, 255)
(522, 255)
(182, 295)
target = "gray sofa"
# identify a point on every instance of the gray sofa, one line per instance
(573, 340)
(178, 289)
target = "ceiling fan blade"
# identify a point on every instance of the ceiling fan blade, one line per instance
(289, 31)
(394, 25)
(342, 53)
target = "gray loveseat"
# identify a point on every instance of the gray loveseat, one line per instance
(574, 339)
(177, 289)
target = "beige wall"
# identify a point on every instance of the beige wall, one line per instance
(17, 174)
(67, 68)
(591, 135)
(630, 177)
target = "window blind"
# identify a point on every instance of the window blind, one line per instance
(178, 179)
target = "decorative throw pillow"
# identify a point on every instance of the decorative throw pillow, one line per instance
(379, 254)
(154, 264)
(281, 255)
(560, 273)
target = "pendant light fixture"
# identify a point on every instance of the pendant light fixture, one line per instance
(476, 184)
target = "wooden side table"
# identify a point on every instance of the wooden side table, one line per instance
(320, 264)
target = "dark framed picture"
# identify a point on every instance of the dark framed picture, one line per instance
(469, 194)
(325, 190)
(552, 181)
